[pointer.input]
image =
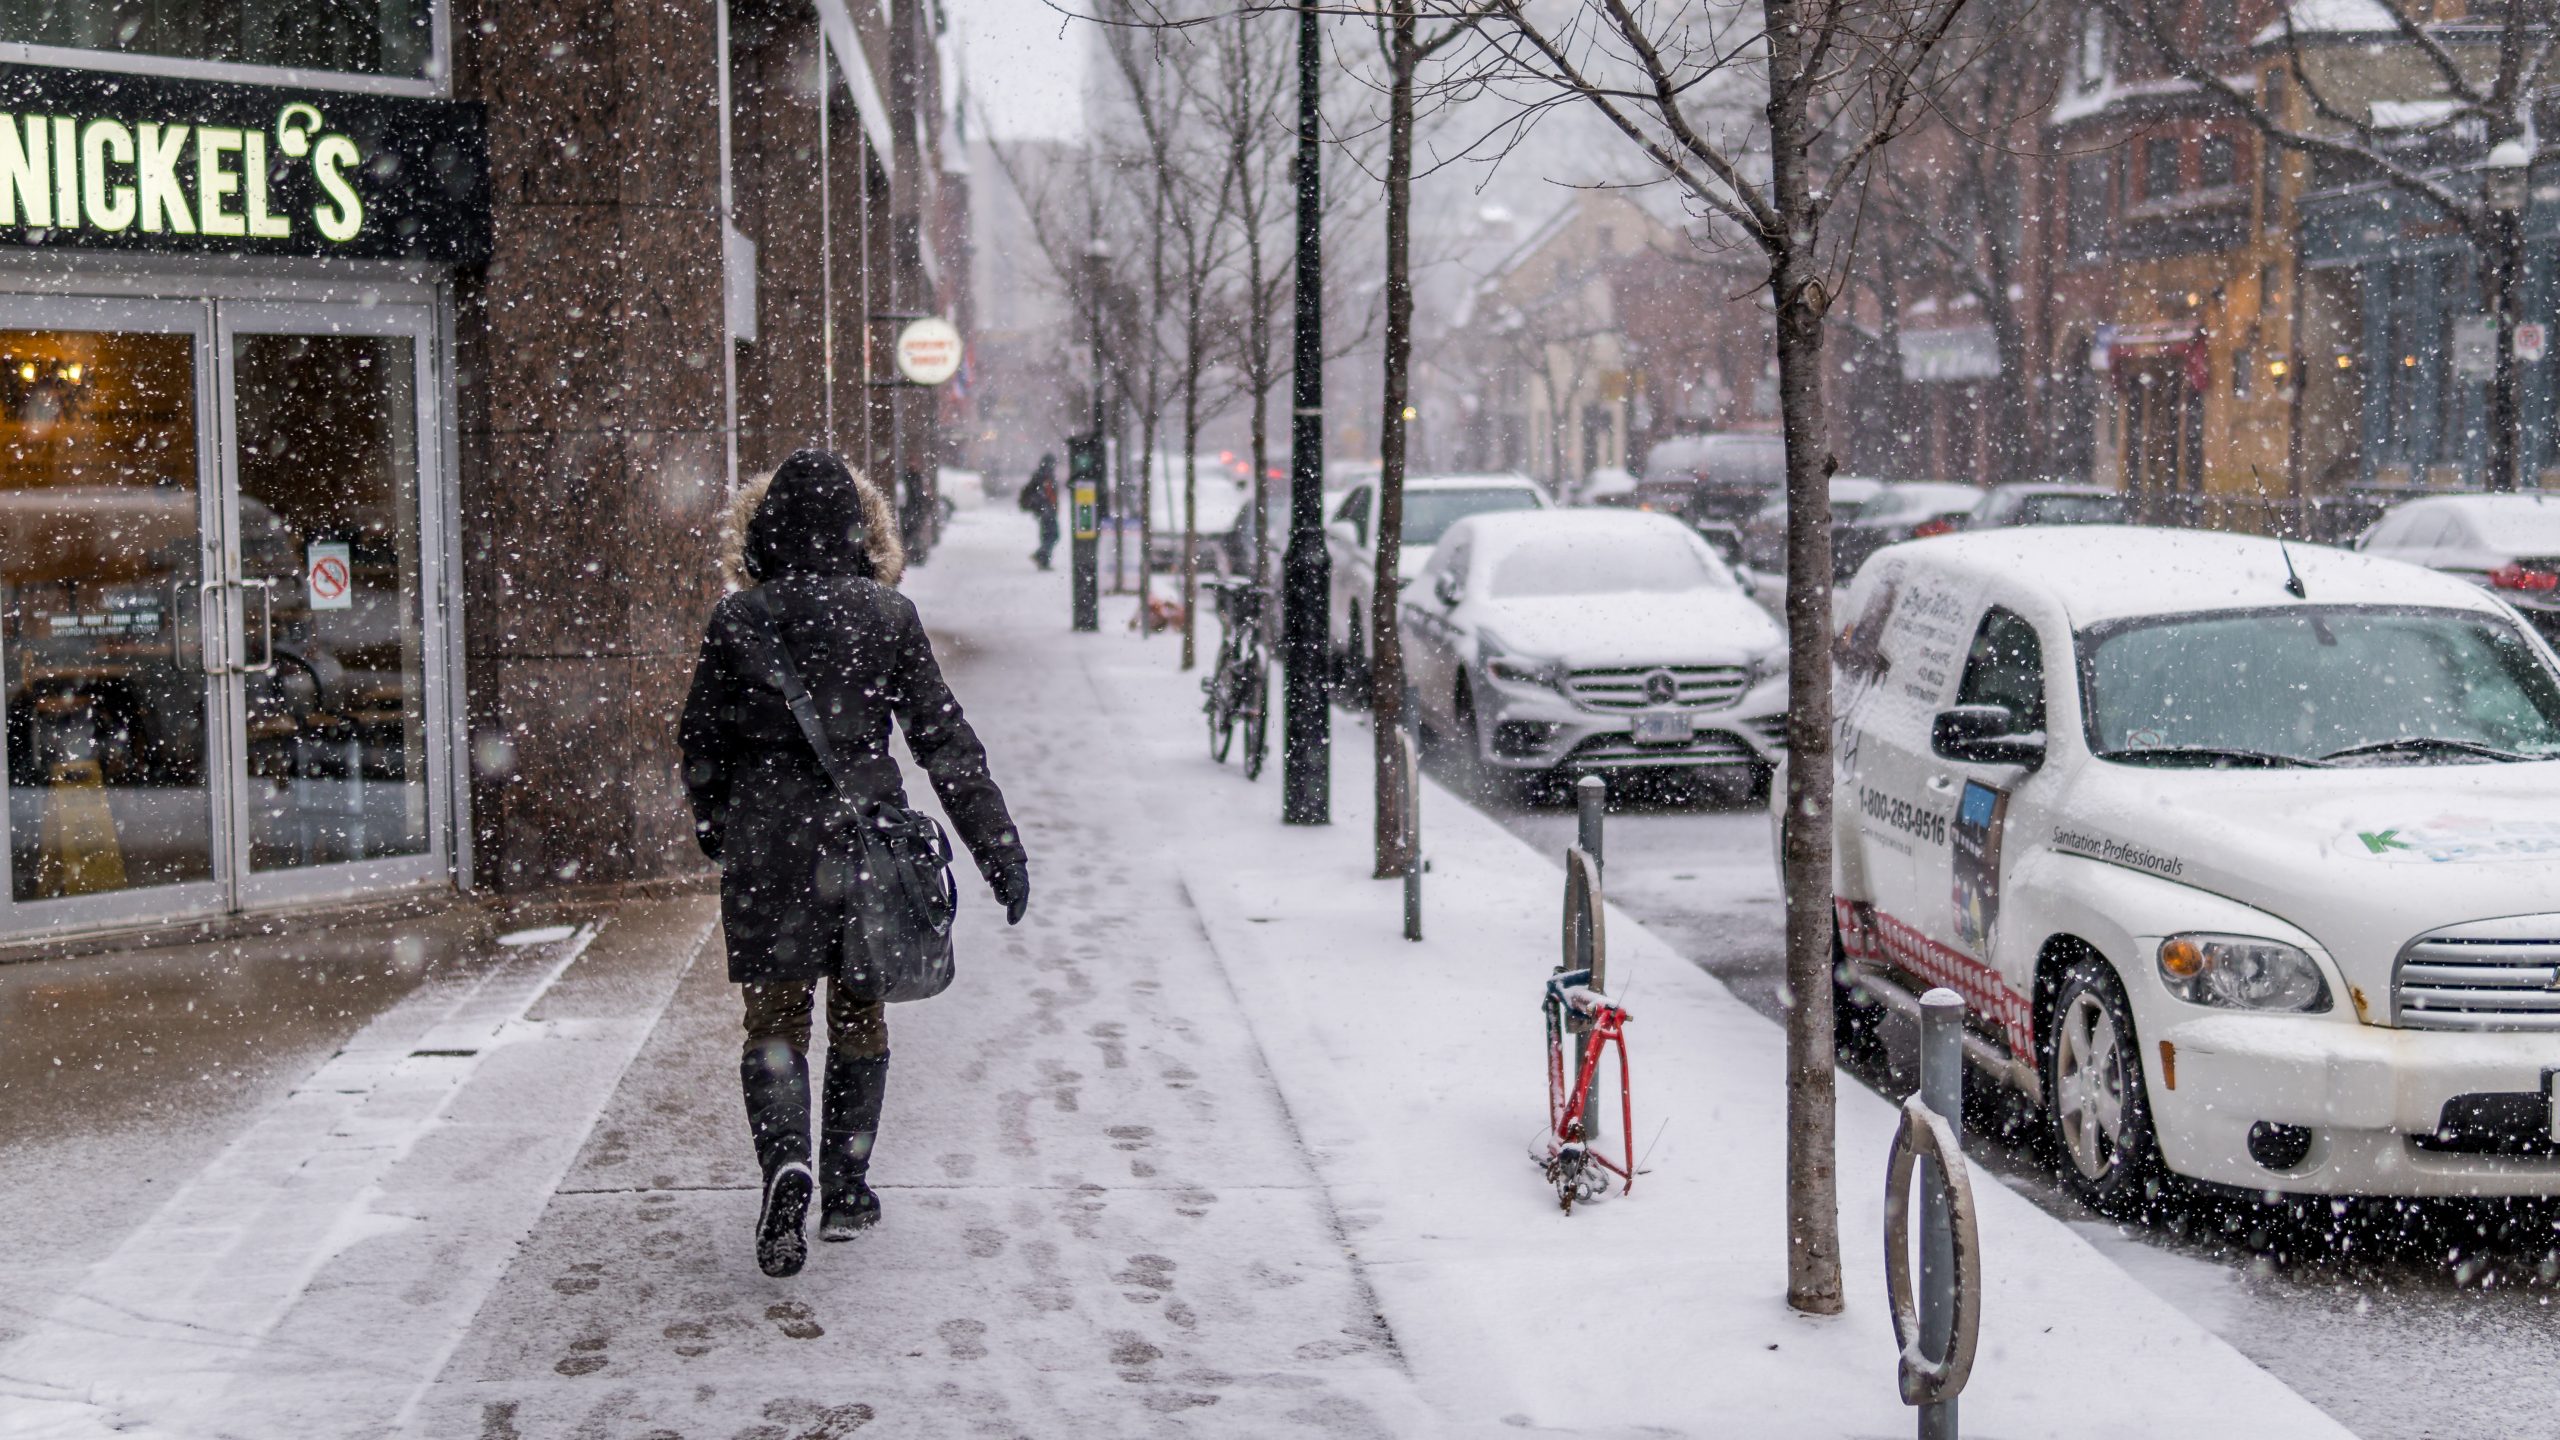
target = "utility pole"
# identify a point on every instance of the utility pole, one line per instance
(1306, 737)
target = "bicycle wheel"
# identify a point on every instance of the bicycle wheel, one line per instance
(1222, 712)
(1257, 712)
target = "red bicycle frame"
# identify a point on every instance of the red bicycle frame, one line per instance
(1569, 1098)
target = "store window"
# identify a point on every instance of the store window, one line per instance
(2218, 162)
(2092, 182)
(360, 37)
(2159, 168)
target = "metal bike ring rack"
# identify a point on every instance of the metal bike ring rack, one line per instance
(1925, 1132)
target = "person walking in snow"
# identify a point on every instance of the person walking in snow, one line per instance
(1040, 498)
(820, 547)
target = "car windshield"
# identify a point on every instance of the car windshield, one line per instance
(1427, 513)
(1604, 562)
(2320, 686)
(2070, 510)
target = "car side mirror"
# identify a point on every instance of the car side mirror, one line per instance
(1985, 735)
(1445, 587)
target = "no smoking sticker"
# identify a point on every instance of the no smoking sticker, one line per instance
(328, 576)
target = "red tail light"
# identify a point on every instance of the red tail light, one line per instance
(2516, 577)
(1943, 525)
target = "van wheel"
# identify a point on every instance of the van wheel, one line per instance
(1857, 1018)
(2097, 1109)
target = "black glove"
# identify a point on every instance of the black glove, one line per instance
(1012, 883)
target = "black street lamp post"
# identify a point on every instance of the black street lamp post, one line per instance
(1306, 737)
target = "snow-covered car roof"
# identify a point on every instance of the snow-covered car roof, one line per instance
(1472, 482)
(2527, 522)
(1496, 531)
(2098, 573)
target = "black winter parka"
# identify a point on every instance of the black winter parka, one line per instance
(757, 790)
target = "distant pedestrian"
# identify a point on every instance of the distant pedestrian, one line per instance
(822, 552)
(1040, 499)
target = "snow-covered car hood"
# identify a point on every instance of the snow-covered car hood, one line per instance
(1410, 559)
(2363, 858)
(1700, 627)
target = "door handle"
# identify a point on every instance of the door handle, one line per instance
(266, 625)
(207, 607)
(1942, 784)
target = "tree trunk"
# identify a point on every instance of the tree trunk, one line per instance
(1795, 286)
(1386, 647)
(2505, 257)
(1191, 484)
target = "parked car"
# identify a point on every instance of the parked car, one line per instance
(1608, 485)
(1912, 511)
(1592, 641)
(1764, 535)
(1712, 477)
(1432, 503)
(2508, 543)
(2244, 855)
(1222, 489)
(2048, 503)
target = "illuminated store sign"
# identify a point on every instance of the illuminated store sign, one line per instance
(97, 161)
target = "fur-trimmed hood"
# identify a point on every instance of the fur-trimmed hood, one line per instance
(812, 515)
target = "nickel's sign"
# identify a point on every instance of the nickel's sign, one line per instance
(97, 161)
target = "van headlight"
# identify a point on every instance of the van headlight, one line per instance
(2242, 972)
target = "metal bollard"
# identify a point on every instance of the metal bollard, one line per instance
(1411, 762)
(1942, 1090)
(1586, 947)
(1591, 800)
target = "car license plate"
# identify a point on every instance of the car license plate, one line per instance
(1665, 729)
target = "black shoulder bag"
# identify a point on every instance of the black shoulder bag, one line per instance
(893, 863)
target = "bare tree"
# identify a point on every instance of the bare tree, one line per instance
(2470, 155)
(1147, 62)
(1405, 48)
(1832, 82)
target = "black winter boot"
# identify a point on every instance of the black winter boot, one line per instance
(776, 1080)
(855, 1086)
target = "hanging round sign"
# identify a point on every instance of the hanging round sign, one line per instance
(929, 350)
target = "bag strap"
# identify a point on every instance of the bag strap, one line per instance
(794, 694)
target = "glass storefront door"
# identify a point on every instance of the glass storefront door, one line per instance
(217, 631)
(106, 536)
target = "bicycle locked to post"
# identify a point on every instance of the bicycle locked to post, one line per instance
(1583, 1024)
(1238, 686)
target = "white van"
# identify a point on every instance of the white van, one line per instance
(2245, 856)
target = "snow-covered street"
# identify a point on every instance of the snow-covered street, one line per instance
(1202, 1148)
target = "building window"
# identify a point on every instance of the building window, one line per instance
(2159, 167)
(2217, 162)
(360, 37)
(2085, 216)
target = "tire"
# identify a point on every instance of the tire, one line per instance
(1222, 716)
(1857, 1023)
(1515, 788)
(1256, 710)
(2097, 1107)
(1351, 668)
